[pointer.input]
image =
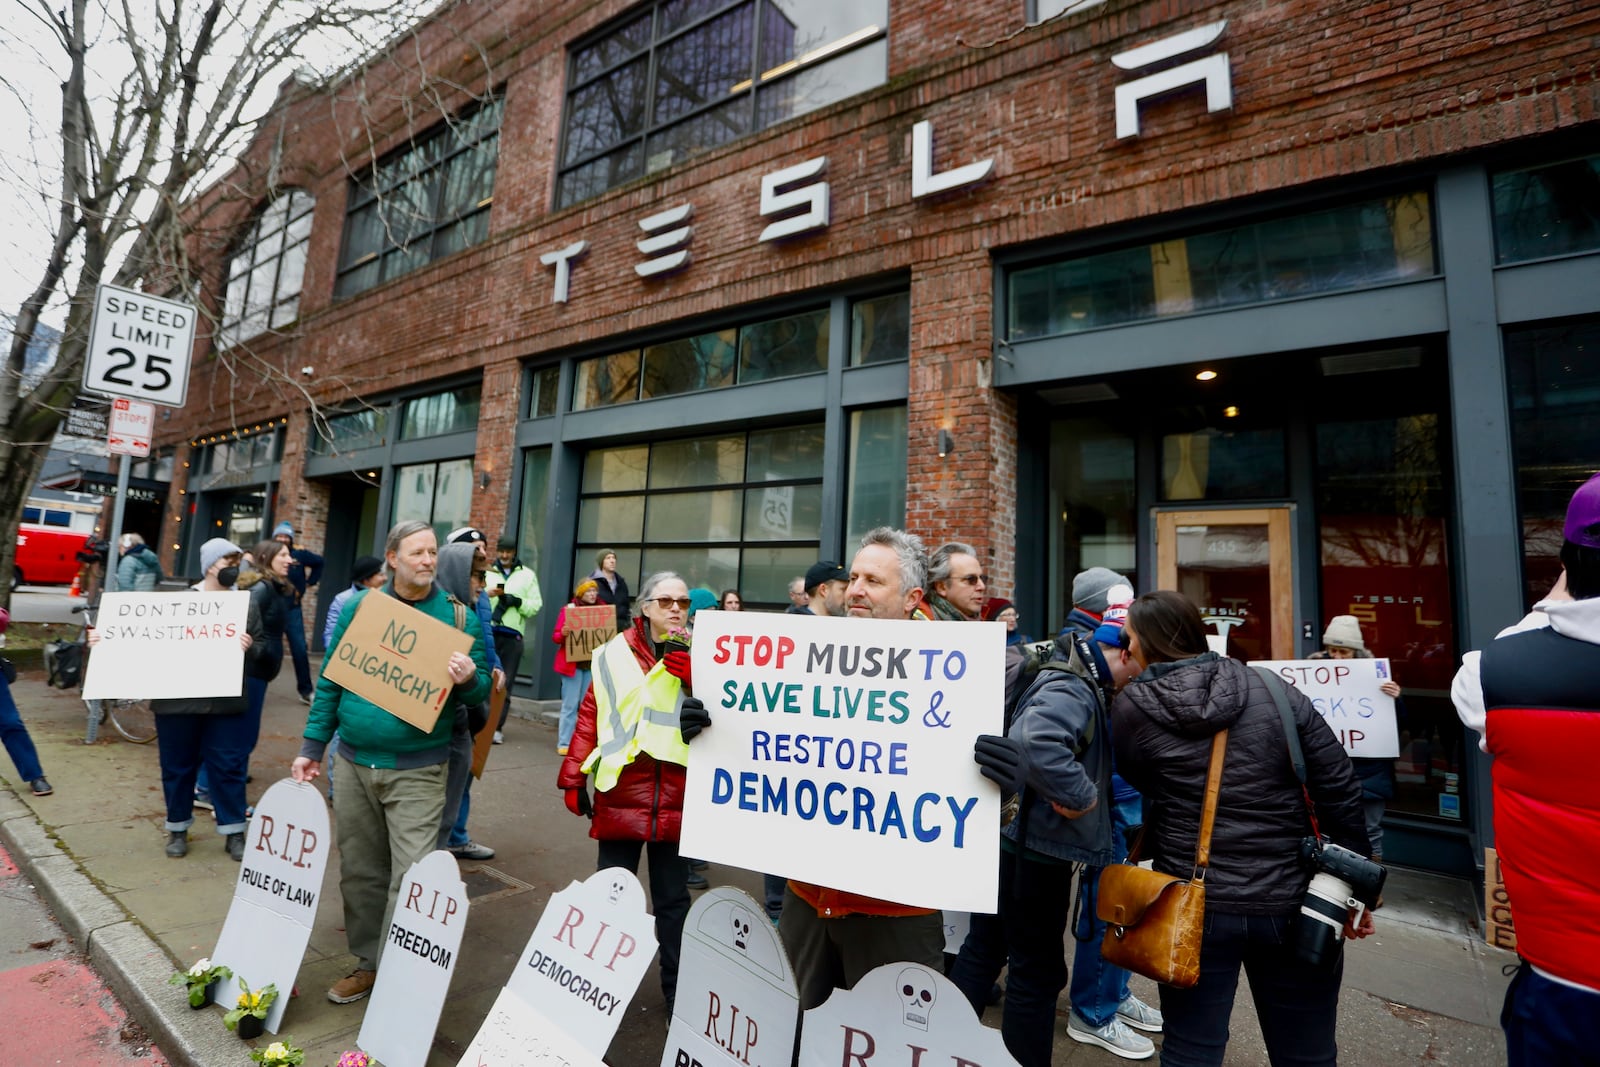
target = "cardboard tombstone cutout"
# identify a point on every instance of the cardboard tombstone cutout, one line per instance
(587, 955)
(275, 899)
(737, 1003)
(899, 1014)
(516, 1035)
(419, 955)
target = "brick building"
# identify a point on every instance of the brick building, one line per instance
(1291, 307)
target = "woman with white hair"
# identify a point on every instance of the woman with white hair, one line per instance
(138, 571)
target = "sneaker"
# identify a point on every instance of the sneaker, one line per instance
(236, 847)
(1139, 1015)
(696, 880)
(202, 799)
(561, 750)
(177, 844)
(472, 850)
(352, 987)
(41, 787)
(1114, 1037)
(499, 738)
(305, 698)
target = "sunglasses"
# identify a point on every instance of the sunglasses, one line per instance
(666, 602)
(972, 579)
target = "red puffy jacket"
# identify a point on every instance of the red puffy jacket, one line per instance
(646, 804)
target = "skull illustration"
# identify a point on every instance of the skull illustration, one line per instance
(741, 932)
(618, 887)
(917, 994)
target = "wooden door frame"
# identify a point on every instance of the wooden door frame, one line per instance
(1280, 558)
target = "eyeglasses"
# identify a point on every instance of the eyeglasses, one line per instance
(665, 603)
(973, 579)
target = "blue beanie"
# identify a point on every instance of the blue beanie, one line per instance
(283, 528)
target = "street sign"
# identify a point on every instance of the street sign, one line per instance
(139, 346)
(133, 422)
(88, 422)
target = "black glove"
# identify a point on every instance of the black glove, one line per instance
(692, 718)
(509, 600)
(1002, 761)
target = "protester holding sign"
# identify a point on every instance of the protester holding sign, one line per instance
(629, 742)
(574, 676)
(393, 773)
(1342, 640)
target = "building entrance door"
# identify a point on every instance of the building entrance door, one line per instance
(1236, 564)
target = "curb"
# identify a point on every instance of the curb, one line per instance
(122, 953)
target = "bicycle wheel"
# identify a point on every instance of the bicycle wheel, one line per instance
(133, 719)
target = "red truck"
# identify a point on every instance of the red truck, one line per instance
(47, 555)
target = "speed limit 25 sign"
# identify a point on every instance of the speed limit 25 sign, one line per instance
(139, 346)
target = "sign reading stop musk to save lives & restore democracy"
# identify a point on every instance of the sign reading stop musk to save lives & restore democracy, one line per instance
(840, 752)
(161, 645)
(398, 658)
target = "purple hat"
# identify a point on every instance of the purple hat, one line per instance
(1583, 515)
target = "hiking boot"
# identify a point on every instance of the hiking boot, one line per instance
(696, 880)
(1114, 1037)
(177, 844)
(472, 850)
(236, 847)
(202, 799)
(1139, 1015)
(40, 787)
(352, 987)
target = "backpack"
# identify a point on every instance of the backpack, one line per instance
(64, 662)
(1026, 666)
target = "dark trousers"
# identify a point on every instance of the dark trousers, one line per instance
(1548, 1023)
(508, 646)
(669, 897)
(19, 746)
(1296, 1003)
(1035, 903)
(294, 628)
(220, 743)
(248, 730)
(834, 952)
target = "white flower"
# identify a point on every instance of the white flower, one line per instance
(200, 968)
(276, 1051)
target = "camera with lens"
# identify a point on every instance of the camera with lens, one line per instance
(1341, 880)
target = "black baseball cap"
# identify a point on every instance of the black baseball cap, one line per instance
(825, 571)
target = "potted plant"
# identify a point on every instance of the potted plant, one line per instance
(199, 979)
(279, 1054)
(250, 1015)
(354, 1058)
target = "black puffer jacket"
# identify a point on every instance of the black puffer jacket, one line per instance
(1162, 725)
(269, 613)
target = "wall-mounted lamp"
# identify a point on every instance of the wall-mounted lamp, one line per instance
(947, 443)
(483, 479)
(1206, 376)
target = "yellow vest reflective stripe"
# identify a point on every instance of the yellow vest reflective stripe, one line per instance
(634, 712)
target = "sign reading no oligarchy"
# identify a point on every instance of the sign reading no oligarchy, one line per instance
(840, 752)
(1347, 694)
(160, 645)
(398, 658)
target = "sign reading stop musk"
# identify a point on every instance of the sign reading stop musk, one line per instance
(275, 899)
(398, 658)
(1348, 694)
(840, 752)
(419, 955)
(899, 1015)
(737, 1004)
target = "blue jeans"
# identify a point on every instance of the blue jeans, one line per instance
(1296, 1003)
(1547, 1022)
(218, 743)
(294, 628)
(1097, 986)
(572, 690)
(19, 746)
(255, 691)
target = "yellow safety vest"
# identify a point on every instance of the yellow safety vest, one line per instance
(634, 712)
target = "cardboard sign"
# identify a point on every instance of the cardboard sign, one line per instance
(587, 956)
(275, 899)
(398, 658)
(840, 753)
(484, 738)
(900, 1013)
(159, 645)
(1345, 693)
(1498, 928)
(586, 628)
(516, 1035)
(419, 955)
(737, 1003)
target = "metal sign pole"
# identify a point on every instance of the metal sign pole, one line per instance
(124, 468)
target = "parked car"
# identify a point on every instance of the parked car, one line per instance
(47, 555)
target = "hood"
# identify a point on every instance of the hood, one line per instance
(1579, 619)
(454, 575)
(1192, 697)
(249, 578)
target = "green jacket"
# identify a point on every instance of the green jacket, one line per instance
(373, 737)
(521, 583)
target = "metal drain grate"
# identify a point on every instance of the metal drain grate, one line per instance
(487, 883)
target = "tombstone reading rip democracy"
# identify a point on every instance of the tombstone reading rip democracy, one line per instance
(275, 900)
(1347, 694)
(587, 956)
(159, 645)
(737, 1003)
(398, 658)
(419, 955)
(899, 1014)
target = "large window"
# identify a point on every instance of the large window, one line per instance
(1547, 211)
(265, 270)
(679, 77)
(425, 201)
(350, 431)
(452, 411)
(875, 494)
(733, 511)
(436, 493)
(1367, 243)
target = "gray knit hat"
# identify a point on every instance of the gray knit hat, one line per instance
(1089, 588)
(1344, 631)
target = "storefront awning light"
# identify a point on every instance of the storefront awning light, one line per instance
(1206, 376)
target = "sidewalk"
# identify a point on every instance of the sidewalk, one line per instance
(1425, 989)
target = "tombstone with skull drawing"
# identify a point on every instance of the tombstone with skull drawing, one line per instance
(899, 1015)
(737, 1003)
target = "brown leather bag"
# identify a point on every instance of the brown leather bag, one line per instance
(1154, 920)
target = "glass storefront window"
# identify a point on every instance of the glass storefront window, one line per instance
(606, 380)
(1092, 495)
(1547, 211)
(784, 347)
(702, 461)
(880, 329)
(1214, 464)
(611, 518)
(616, 470)
(690, 364)
(791, 452)
(439, 494)
(875, 487)
(544, 387)
(453, 411)
(350, 431)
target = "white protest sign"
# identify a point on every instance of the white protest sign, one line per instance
(160, 645)
(840, 753)
(515, 1035)
(1347, 694)
(587, 956)
(957, 924)
(902, 1014)
(737, 1002)
(275, 899)
(419, 955)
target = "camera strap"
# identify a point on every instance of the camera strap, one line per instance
(1291, 736)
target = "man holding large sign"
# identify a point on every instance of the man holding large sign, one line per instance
(845, 753)
(394, 711)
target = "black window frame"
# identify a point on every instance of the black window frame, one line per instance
(301, 205)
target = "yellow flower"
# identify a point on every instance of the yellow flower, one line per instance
(244, 1000)
(276, 1051)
